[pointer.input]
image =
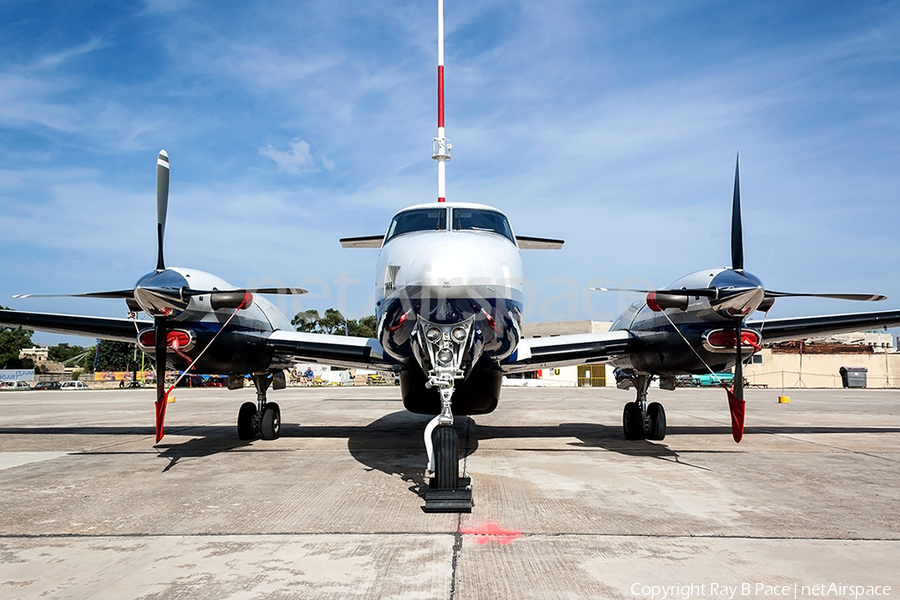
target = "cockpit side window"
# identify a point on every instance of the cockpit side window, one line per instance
(473, 219)
(425, 219)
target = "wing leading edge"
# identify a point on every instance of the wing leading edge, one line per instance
(794, 328)
(566, 350)
(106, 328)
(337, 350)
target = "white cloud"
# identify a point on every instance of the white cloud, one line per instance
(297, 159)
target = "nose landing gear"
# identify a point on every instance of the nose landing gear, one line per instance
(447, 491)
(445, 346)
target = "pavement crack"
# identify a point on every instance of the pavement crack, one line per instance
(454, 563)
(458, 534)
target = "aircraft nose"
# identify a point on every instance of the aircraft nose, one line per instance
(449, 264)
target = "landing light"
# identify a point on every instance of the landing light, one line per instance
(433, 334)
(459, 334)
(445, 355)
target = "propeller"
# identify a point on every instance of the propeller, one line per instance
(736, 404)
(715, 292)
(742, 294)
(159, 321)
(165, 292)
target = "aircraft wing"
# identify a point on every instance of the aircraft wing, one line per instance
(565, 350)
(337, 350)
(105, 328)
(798, 328)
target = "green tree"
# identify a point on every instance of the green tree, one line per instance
(306, 321)
(364, 327)
(11, 342)
(63, 352)
(116, 356)
(333, 322)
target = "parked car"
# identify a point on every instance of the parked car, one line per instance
(74, 385)
(46, 385)
(16, 385)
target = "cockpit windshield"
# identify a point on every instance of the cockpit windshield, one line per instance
(423, 219)
(475, 219)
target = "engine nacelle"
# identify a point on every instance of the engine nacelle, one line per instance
(231, 300)
(659, 301)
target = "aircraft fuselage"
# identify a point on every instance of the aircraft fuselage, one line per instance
(451, 297)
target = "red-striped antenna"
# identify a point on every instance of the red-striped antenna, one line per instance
(442, 145)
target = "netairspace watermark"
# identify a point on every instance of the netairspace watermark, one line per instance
(687, 591)
(564, 299)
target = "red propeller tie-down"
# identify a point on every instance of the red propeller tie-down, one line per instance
(174, 340)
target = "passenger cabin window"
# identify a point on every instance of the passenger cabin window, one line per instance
(474, 219)
(424, 219)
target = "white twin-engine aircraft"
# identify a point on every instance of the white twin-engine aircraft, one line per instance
(449, 323)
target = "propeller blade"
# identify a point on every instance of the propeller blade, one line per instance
(736, 403)
(857, 297)
(705, 292)
(737, 408)
(187, 292)
(113, 294)
(161, 396)
(737, 236)
(162, 204)
(272, 290)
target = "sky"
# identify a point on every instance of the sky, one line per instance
(613, 125)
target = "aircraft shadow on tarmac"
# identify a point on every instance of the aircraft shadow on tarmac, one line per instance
(215, 440)
(393, 443)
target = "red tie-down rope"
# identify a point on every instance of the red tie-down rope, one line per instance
(161, 403)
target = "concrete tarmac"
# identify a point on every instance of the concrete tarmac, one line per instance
(806, 506)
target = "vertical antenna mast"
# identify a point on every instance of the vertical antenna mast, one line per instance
(442, 146)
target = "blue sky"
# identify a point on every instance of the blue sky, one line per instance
(612, 125)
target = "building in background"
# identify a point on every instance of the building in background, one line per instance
(813, 363)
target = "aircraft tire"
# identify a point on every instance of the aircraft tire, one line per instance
(245, 421)
(657, 416)
(633, 422)
(270, 423)
(446, 457)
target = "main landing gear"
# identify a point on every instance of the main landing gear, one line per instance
(640, 420)
(263, 418)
